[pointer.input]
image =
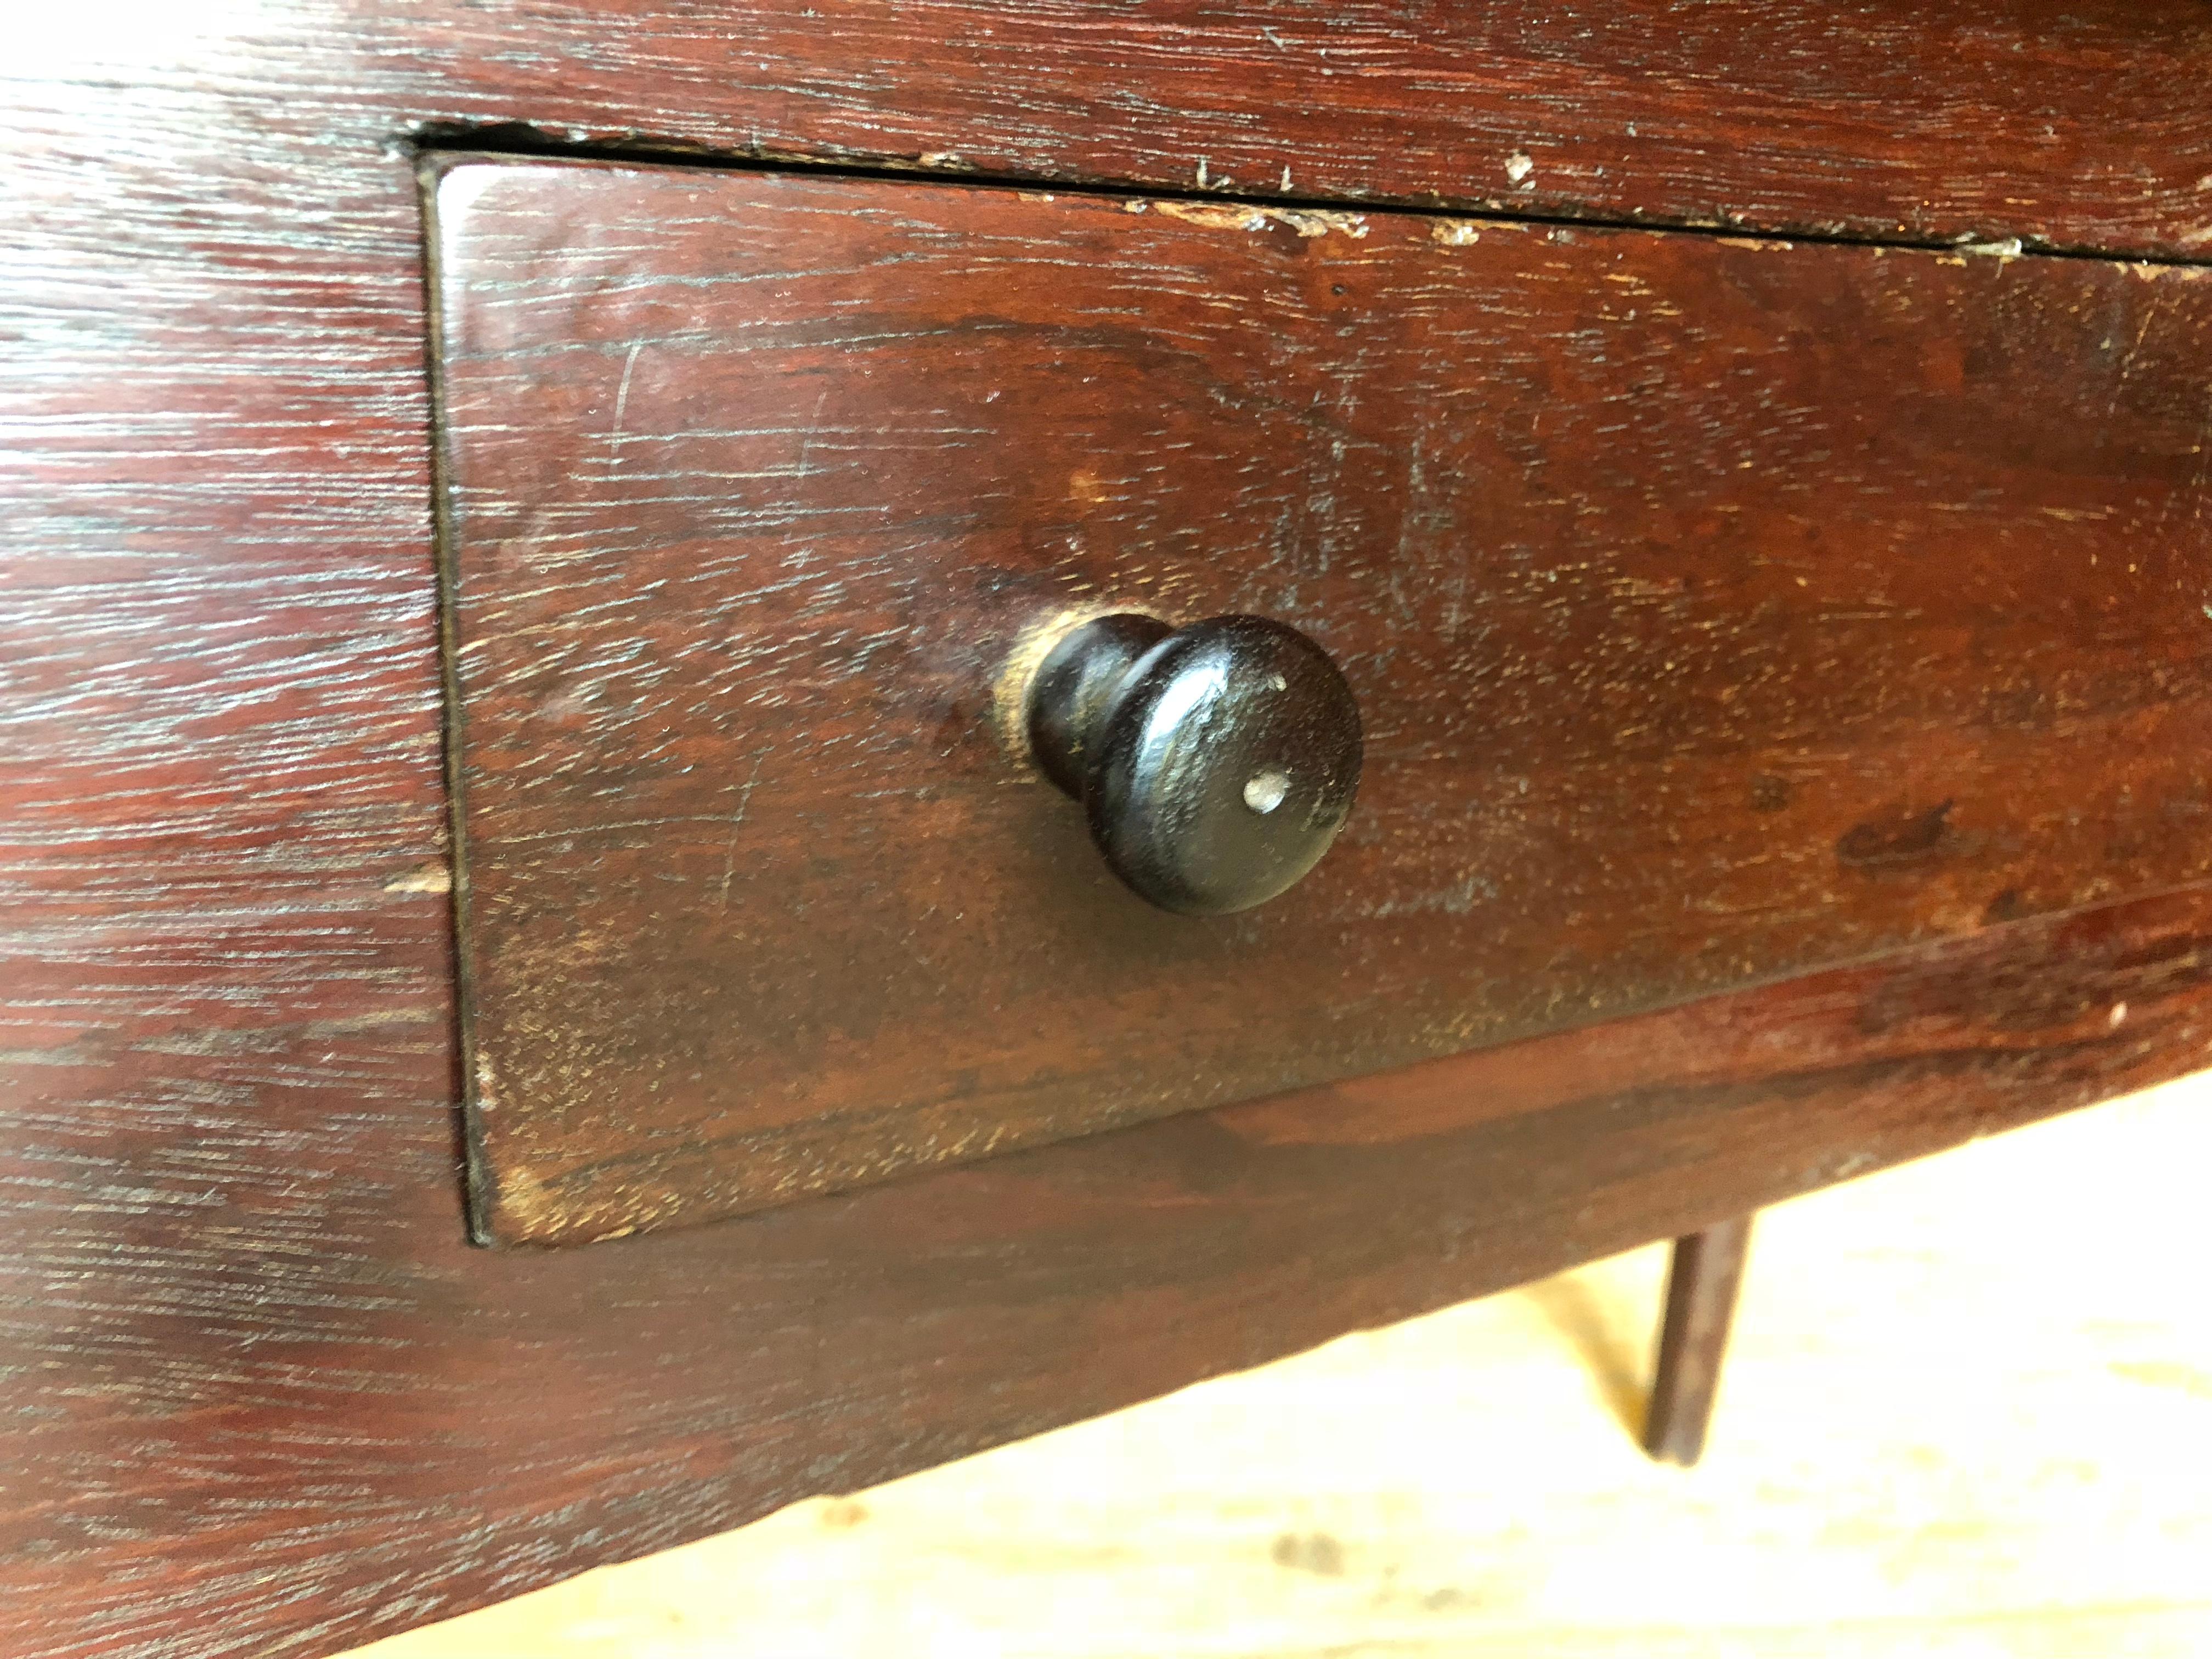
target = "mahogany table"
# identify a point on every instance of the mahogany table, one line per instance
(553, 1003)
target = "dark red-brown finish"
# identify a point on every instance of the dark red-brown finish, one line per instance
(2071, 122)
(270, 1402)
(260, 1397)
(1715, 610)
(2076, 124)
(1703, 1278)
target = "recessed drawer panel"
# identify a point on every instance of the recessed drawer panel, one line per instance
(1713, 610)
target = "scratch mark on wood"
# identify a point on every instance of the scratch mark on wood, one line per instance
(737, 822)
(622, 400)
(1309, 222)
(428, 878)
(813, 426)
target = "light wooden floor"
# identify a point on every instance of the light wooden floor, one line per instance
(1968, 1413)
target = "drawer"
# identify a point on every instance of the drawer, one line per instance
(1714, 610)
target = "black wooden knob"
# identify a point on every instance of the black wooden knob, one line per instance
(1215, 762)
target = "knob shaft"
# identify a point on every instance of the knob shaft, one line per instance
(1215, 762)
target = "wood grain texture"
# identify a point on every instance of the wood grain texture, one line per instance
(305, 1411)
(260, 1397)
(1715, 610)
(2065, 124)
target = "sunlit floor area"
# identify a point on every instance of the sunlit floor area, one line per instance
(1967, 1412)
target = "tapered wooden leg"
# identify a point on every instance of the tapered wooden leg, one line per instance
(1701, 1287)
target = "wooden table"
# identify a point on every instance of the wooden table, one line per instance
(1865, 808)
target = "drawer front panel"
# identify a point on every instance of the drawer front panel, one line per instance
(1716, 610)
